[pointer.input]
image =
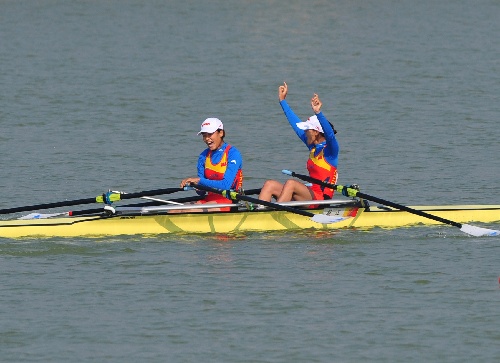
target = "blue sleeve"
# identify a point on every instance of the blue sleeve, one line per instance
(234, 163)
(332, 148)
(293, 119)
(200, 167)
(201, 163)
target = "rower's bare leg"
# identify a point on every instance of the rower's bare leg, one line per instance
(295, 190)
(271, 188)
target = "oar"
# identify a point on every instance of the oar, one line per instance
(188, 199)
(104, 198)
(352, 192)
(230, 194)
(151, 198)
(178, 201)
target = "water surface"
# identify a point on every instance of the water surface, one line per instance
(110, 95)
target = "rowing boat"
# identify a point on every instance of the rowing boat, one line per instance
(158, 220)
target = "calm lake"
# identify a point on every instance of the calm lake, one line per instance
(99, 95)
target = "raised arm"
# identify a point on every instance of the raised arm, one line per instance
(331, 141)
(292, 118)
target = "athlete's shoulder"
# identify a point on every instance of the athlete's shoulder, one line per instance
(232, 149)
(234, 156)
(205, 152)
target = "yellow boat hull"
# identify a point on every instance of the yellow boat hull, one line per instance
(256, 221)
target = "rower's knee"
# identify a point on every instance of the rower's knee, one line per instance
(270, 185)
(290, 184)
(269, 189)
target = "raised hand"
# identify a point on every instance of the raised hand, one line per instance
(282, 91)
(316, 103)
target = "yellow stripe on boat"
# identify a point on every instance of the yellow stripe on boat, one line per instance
(228, 222)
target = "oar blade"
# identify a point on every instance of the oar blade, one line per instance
(478, 231)
(325, 219)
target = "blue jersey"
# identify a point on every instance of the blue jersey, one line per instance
(330, 146)
(234, 164)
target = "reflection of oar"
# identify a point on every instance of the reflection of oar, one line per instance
(352, 192)
(105, 198)
(230, 194)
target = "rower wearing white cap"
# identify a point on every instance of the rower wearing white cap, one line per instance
(219, 165)
(319, 136)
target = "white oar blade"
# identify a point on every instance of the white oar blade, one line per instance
(478, 231)
(324, 219)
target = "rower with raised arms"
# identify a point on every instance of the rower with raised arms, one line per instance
(219, 165)
(318, 134)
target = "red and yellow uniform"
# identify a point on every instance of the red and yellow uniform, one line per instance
(221, 169)
(319, 168)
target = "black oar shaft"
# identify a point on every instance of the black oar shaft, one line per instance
(149, 193)
(229, 194)
(356, 193)
(97, 199)
(407, 209)
(48, 205)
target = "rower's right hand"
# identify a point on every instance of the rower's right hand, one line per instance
(188, 181)
(282, 91)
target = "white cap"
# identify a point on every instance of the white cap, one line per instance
(211, 125)
(312, 123)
